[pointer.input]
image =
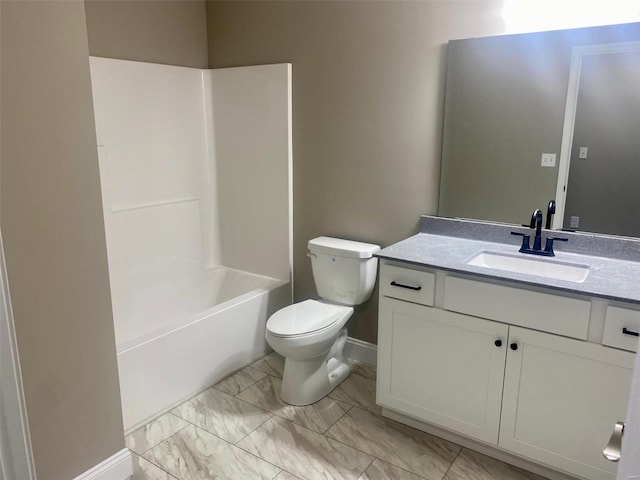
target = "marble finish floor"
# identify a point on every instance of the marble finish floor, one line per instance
(241, 429)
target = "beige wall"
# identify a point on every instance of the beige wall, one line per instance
(367, 109)
(54, 238)
(173, 32)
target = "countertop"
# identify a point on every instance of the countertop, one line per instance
(610, 278)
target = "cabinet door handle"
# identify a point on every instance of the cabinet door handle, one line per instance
(626, 331)
(612, 451)
(513, 346)
(409, 287)
(498, 343)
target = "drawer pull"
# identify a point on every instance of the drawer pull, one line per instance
(498, 343)
(626, 331)
(612, 451)
(514, 346)
(409, 287)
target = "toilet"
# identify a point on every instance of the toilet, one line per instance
(311, 335)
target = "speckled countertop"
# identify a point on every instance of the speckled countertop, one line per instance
(450, 243)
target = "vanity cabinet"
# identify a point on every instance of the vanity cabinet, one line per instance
(442, 367)
(486, 372)
(561, 399)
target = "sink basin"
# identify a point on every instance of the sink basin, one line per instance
(541, 267)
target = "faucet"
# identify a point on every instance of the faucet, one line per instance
(551, 210)
(536, 222)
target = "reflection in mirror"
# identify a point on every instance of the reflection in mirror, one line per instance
(505, 107)
(605, 148)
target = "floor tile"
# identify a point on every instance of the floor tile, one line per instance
(194, 454)
(363, 369)
(380, 470)
(273, 364)
(305, 453)
(154, 432)
(402, 446)
(221, 414)
(472, 465)
(318, 416)
(145, 470)
(359, 392)
(286, 476)
(240, 380)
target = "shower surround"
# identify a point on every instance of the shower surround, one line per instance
(195, 168)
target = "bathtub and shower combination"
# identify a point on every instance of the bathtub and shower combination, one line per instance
(195, 171)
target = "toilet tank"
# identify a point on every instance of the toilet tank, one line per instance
(344, 271)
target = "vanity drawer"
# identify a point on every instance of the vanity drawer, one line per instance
(620, 325)
(407, 284)
(540, 311)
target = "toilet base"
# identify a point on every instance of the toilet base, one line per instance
(306, 381)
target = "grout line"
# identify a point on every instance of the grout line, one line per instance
(160, 441)
(237, 373)
(341, 416)
(166, 439)
(271, 415)
(158, 467)
(254, 383)
(259, 457)
(232, 445)
(454, 461)
(387, 461)
(367, 467)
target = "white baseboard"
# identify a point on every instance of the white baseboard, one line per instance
(360, 350)
(117, 467)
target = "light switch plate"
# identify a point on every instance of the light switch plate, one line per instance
(548, 160)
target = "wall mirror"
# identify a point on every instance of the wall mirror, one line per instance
(572, 96)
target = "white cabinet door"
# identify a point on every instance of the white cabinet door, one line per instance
(561, 399)
(441, 367)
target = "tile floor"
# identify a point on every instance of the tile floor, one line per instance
(240, 429)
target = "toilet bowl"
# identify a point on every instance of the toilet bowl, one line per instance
(311, 335)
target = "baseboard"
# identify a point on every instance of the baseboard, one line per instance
(360, 350)
(117, 467)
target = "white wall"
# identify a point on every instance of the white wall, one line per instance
(252, 143)
(157, 196)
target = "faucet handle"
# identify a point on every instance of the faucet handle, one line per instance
(548, 248)
(525, 240)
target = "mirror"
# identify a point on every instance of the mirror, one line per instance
(509, 101)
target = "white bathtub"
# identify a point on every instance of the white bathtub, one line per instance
(180, 337)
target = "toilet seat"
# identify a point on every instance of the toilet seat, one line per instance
(303, 318)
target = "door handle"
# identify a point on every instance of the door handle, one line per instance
(612, 451)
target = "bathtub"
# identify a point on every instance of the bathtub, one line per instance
(179, 337)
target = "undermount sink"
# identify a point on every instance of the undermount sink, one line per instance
(541, 267)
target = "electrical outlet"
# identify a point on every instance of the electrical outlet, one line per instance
(575, 222)
(548, 160)
(584, 151)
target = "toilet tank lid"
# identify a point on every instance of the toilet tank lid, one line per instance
(342, 248)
